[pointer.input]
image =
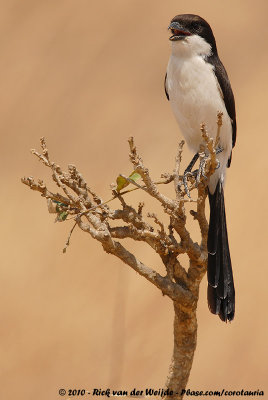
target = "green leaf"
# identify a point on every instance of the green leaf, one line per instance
(62, 216)
(134, 176)
(59, 203)
(121, 183)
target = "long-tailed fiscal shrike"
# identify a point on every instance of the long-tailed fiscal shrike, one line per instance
(198, 87)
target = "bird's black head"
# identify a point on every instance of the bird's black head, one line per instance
(185, 25)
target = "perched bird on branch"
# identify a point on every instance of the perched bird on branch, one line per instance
(198, 87)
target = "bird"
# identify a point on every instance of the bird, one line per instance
(198, 88)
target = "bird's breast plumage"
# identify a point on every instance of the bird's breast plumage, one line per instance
(196, 98)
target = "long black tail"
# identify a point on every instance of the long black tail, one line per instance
(221, 292)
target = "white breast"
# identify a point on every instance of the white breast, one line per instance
(195, 96)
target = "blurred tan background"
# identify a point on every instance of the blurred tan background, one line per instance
(87, 75)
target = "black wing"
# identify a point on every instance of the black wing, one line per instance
(227, 93)
(165, 83)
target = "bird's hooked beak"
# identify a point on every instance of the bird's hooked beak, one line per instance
(178, 32)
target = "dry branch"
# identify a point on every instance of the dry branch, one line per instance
(93, 216)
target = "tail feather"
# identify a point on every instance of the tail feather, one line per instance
(221, 292)
(214, 302)
(215, 205)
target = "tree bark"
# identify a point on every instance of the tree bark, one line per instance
(185, 338)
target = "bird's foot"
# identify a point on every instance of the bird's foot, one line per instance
(218, 151)
(200, 172)
(185, 181)
(188, 173)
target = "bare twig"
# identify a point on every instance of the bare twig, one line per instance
(177, 171)
(69, 238)
(219, 124)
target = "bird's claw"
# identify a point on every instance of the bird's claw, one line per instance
(219, 149)
(201, 170)
(185, 176)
